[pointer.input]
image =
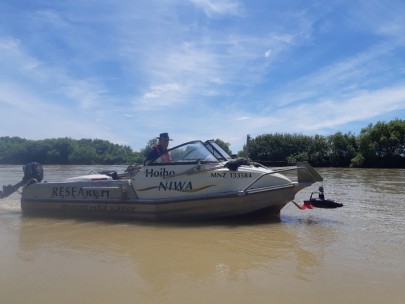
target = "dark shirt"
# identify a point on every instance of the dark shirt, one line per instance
(154, 153)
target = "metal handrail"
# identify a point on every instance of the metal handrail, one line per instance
(268, 173)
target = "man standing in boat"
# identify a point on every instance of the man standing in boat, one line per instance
(160, 149)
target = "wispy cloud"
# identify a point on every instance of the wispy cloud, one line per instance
(164, 95)
(36, 75)
(345, 78)
(220, 7)
(330, 114)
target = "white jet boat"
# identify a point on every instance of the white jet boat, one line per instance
(201, 181)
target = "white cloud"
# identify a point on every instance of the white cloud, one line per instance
(45, 80)
(220, 7)
(332, 113)
(29, 116)
(164, 95)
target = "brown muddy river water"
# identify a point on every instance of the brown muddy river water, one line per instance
(355, 254)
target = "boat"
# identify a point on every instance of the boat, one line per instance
(201, 181)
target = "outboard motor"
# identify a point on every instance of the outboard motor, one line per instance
(33, 173)
(33, 170)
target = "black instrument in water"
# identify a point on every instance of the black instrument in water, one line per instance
(319, 202)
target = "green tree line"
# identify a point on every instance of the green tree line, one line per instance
(379, 145)
(16, 150)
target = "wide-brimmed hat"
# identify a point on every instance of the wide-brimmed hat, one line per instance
(164, 136)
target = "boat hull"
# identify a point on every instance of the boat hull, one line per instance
(269, 200)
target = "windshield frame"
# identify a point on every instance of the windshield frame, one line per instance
(218, 151)
(181, 155)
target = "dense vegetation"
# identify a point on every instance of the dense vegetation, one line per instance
(379, 145)
(15, 150)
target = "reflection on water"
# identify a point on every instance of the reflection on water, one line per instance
(352, 255)
(165, 251)
(156, 260)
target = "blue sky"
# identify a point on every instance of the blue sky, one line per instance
(126, 71)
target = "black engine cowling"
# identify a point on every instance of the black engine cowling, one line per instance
(33, 170)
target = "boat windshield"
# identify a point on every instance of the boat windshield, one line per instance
(216, 149)
(189, 152)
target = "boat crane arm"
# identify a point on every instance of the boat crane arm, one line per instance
(307, 174)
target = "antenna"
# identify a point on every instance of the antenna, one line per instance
(247, 146)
